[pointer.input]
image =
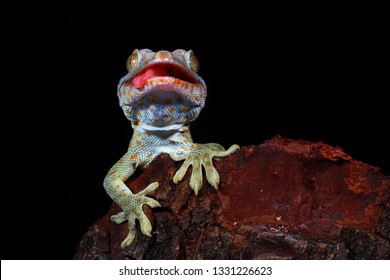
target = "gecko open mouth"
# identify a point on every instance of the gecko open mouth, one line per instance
(161, 71)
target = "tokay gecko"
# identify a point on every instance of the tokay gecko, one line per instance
(161, 95)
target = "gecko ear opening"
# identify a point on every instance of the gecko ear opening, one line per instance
(132, 61)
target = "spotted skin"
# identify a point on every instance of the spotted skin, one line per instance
(160, 95)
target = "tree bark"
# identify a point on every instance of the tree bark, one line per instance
(284, 199)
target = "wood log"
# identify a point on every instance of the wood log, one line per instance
(283, 199)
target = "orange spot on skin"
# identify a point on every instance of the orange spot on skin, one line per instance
(139, 143)
(171, 110)
(196, 169)
(133, 157)
(112, 172)
(206, 155)
(163, 56)
(176, 82)
(139, 113)
(192, 147)
(159, 80)
(149, 156)
(185, 141)
(117, 186)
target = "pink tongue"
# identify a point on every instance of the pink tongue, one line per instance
(140, 79)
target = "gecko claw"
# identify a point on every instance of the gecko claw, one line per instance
(129, 239)
(119, 218)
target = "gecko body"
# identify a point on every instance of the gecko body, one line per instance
(161, 95)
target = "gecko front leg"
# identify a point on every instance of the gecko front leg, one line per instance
(130, 203)
(201, 155)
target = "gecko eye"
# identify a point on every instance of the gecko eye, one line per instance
(132, 61)
(193, 62)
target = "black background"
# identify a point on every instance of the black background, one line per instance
(269, 72)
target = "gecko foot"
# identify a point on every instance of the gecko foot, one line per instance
(133, 210)
(201, 155)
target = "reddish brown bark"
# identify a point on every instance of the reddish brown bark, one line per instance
(284, 199)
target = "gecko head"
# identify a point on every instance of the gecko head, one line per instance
(162, 89)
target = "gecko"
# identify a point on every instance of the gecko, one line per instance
(161, 95)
